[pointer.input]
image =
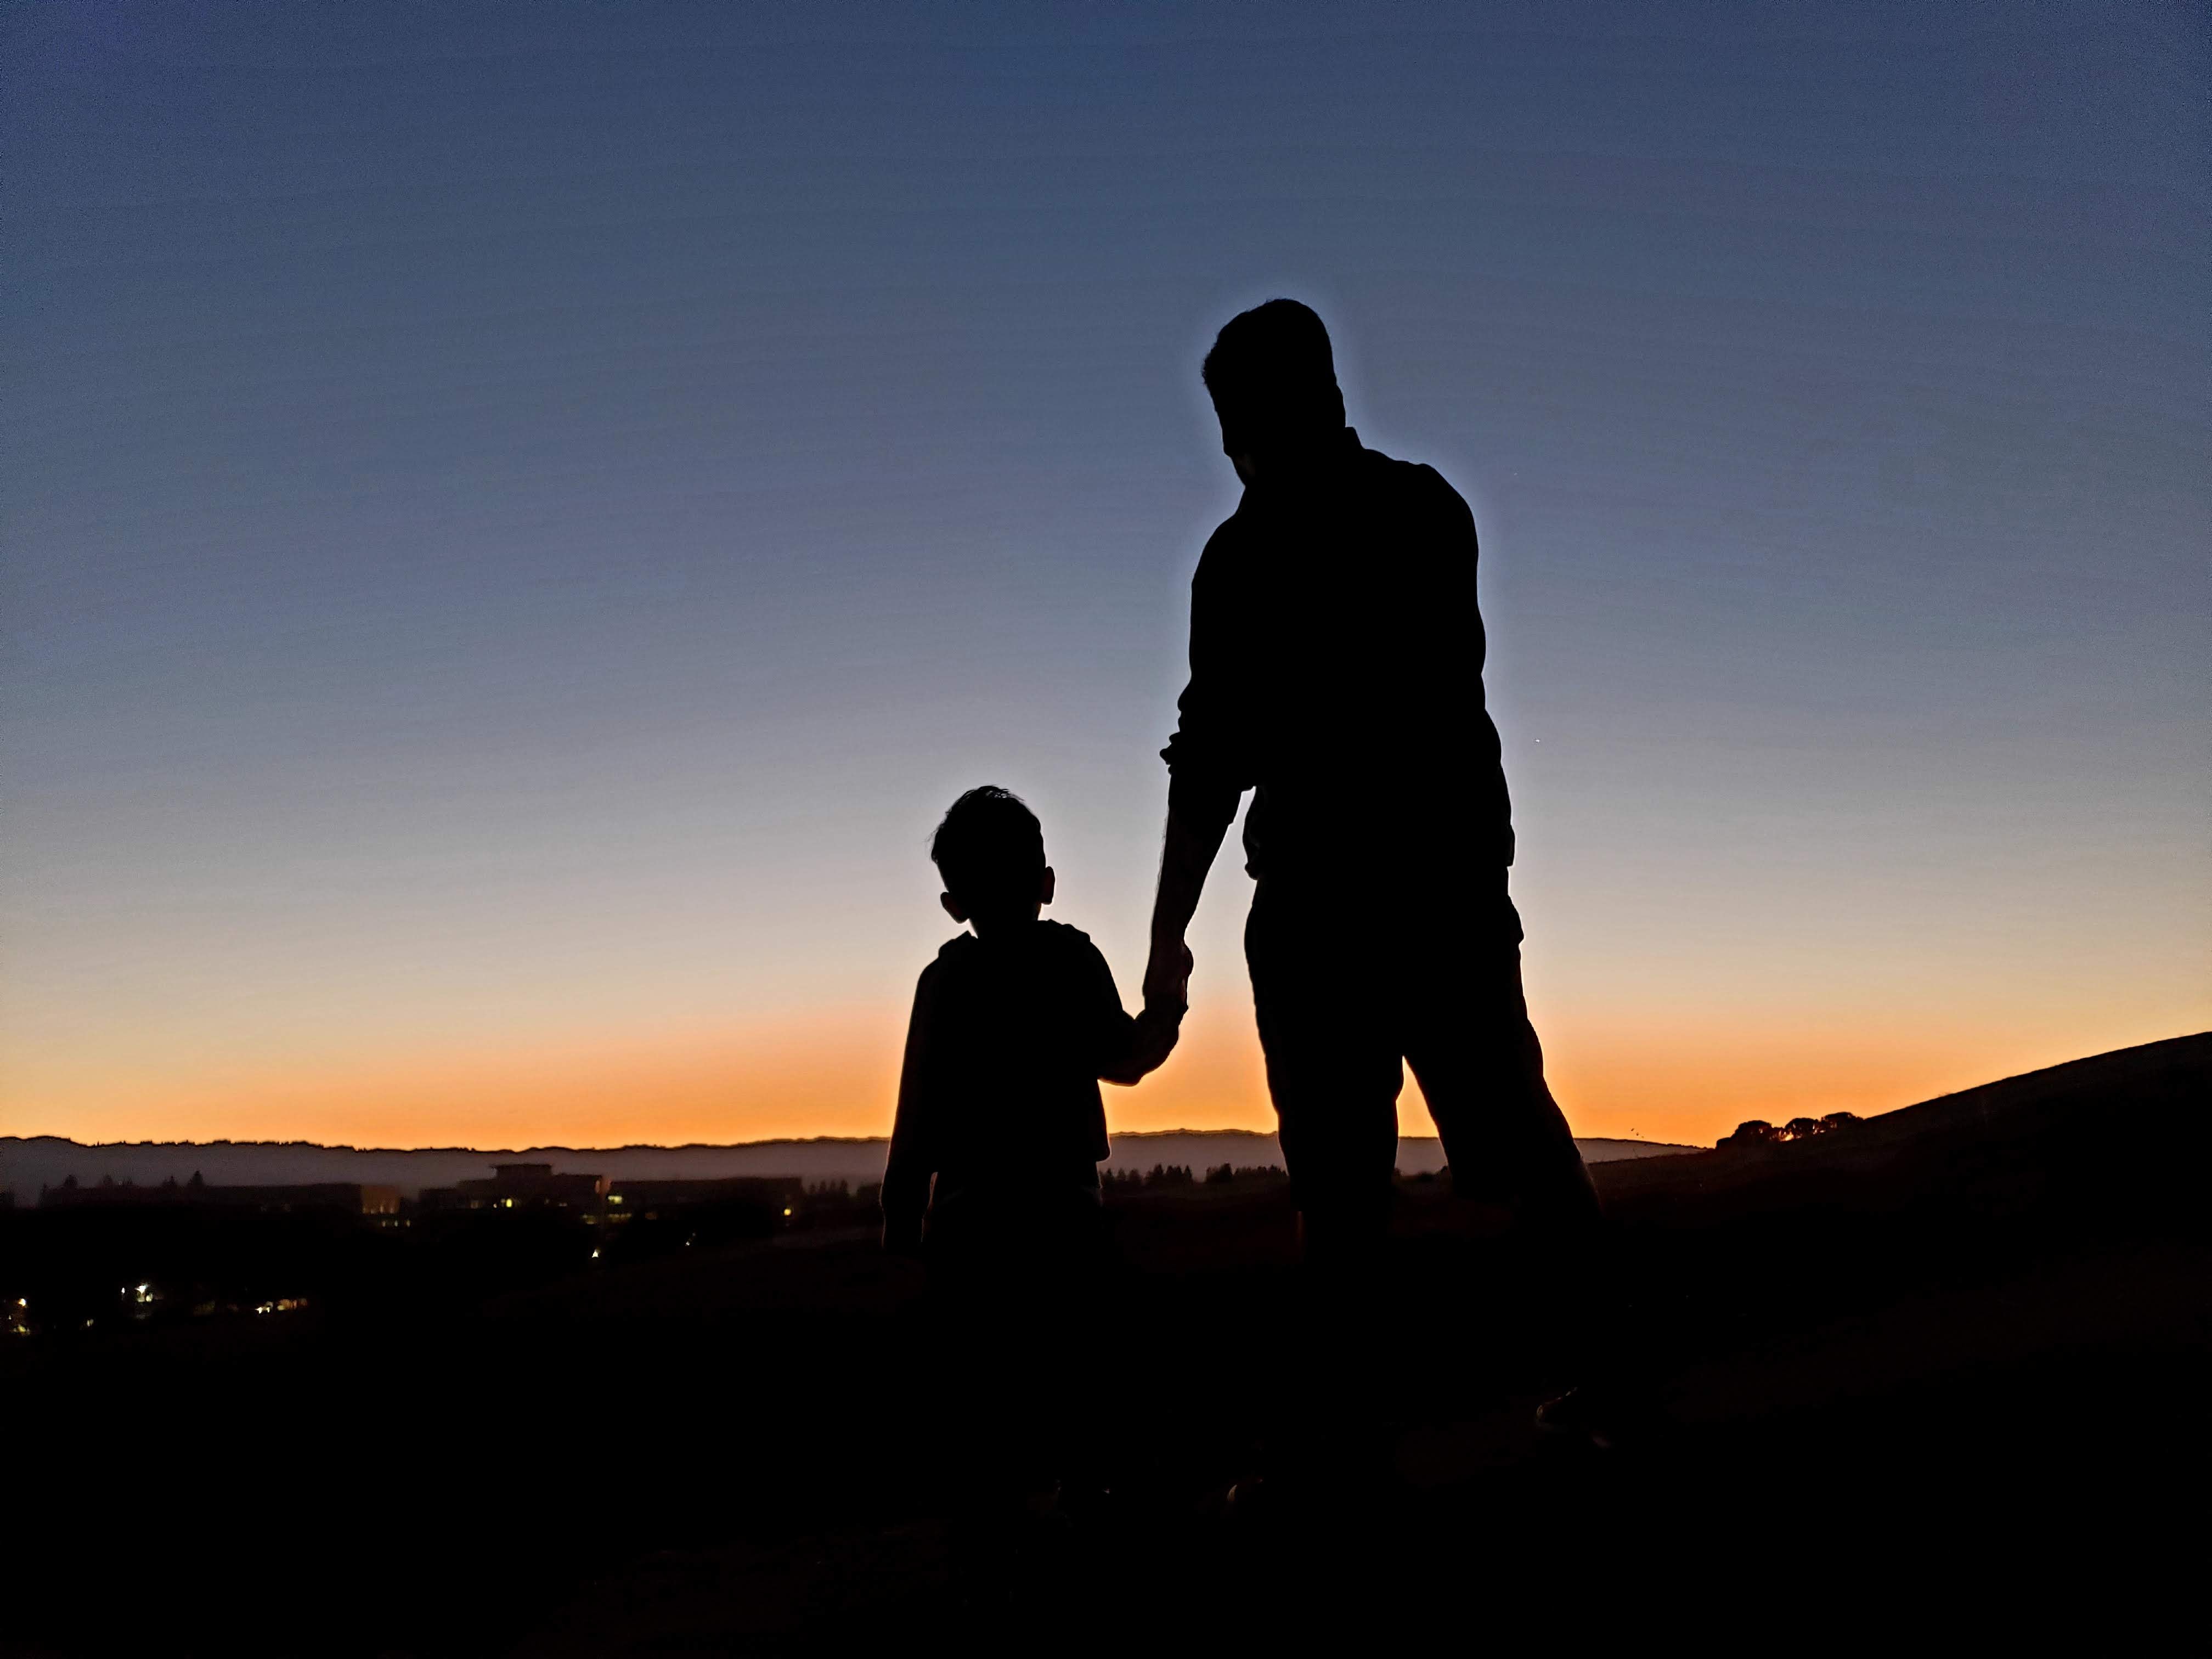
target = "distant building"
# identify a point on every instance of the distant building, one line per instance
(522, 1187)
(345, 1197)
(782, 1195)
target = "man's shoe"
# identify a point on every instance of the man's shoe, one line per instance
(1585, 1420)
(1086, 1505)
(1264, 1505)
(1352, 1495)
(1255, 1501)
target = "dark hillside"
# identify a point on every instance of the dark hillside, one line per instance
(1939, 1371)
(2112, 1129)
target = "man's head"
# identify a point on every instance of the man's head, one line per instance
(1272, 378)
(990, 852)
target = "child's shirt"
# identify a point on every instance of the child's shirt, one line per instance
(999, 1099)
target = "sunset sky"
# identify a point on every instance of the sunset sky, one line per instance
(519, 518)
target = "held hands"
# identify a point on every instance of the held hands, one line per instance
(1167, 995)
(1167, 978)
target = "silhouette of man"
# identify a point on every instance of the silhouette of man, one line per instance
(1336, 656)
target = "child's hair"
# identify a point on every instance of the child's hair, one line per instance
(989, 849)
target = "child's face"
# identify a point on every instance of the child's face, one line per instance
(1003, 915)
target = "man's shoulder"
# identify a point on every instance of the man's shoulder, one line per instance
(1421, 502)
(1225, 548)
(1414, 479)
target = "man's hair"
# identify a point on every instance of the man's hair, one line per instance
(989, 849)
(1272, 378)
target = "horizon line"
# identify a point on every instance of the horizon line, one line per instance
(694, 1146)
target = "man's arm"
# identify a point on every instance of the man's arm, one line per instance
(1448, 662)
(1209, 763)
(1194, 838)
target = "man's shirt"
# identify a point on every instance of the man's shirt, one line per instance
(1336, 667)
(998, 1097)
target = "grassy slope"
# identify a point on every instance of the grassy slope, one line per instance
(1958, 1351)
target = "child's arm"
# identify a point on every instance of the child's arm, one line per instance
(1157, 1032)
(912, 1163)
(1153, 1035)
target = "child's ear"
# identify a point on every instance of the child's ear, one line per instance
(1045, 886)
(953, 908)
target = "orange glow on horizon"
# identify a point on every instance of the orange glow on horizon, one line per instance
(835, 1073)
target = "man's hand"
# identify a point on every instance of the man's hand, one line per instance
(1185, 855)
(1167, 976)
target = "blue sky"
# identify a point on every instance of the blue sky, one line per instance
(518, 520)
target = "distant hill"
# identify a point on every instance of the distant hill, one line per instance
(27, 1163)
(2075, 1092)
(2112, 1129)
(1203, 1149)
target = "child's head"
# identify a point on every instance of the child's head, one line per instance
(990, 851)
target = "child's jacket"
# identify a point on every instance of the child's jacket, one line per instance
(998, 1098)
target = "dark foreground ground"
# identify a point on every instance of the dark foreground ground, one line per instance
(1943, 1376)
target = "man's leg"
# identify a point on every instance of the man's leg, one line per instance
(1480, 1065)
(1476, 1054)
(1333, 1070)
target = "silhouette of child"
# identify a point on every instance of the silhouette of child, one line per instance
(992, 1177)
(1014, 1026)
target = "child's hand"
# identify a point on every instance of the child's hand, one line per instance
(1158, 1031)
(1151, 1041)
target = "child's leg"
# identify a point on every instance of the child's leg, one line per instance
(1080, 1415)
(972, 1371)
